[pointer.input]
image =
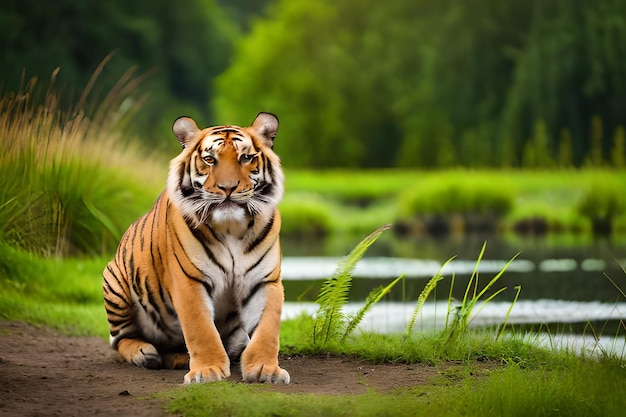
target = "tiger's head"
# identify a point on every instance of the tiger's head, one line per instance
(226, 173)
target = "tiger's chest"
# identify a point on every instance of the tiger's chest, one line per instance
(230, 271)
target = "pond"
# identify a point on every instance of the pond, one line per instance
(565, 285)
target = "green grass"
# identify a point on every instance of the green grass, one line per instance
(71, 184)
(528, 380)
(572, 388)
(64, 294)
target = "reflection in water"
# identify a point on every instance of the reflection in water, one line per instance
(560, 283)
(582, 326)
(393, 317)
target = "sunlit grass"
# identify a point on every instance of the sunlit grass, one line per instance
(62, 294)
(572, 388)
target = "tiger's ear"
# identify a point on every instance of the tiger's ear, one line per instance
(184, 129)
(266, 126)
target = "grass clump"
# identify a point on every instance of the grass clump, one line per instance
(305, 216)
(601, 204)
(478, 206)
(66, 172)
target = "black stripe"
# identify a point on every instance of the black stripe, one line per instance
(153, 244)
(208, 288)
(200, 237)
(261, 237)
(226, 129)
(142, 235)
(130, 335)
(189, 275)
(117, 323)
(168, 307)
(267, 167)
(113, 309)
(107, 298)
(107, 285)
(232, 332)
(185, 186)
(151, 295)
(231, 316)
(194, 277)
(259, 260)
(267, 190)
(252, 293)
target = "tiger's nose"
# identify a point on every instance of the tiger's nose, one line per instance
(228, 188)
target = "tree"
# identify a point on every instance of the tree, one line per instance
(182, 44)
(618, 152)
(356, 90)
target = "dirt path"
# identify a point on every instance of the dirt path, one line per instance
(43, 373)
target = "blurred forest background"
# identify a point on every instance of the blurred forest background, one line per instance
(363, 84)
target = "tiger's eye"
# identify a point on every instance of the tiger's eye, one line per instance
(209, 160)
(245, 158)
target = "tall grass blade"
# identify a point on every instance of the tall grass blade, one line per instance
(473, 279)
(508, 313)
(619, 289)
(463, 312)
(450, 298)
(372, 298)
(468, 311)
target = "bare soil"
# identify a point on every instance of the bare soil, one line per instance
(44, 373)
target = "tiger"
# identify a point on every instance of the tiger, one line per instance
(197, 280)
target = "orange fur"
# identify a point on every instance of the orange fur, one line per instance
(200, 272)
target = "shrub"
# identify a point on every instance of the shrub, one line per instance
(601, 203)
(479, 205)
(305, 215)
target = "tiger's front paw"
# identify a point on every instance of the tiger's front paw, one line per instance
(265, 373)
(211, 373)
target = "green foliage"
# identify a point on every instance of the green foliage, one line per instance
(355, 91)
(181, 45)
(64, 175)
(62, 294)
(462, 313)
(305, 215)
(465, 83)
(602, 203)
(464, 197)
(330, 323)
(618, 152)
(421, 300)
(460, 199)
(360, 200)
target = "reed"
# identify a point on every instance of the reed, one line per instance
(68, 176)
